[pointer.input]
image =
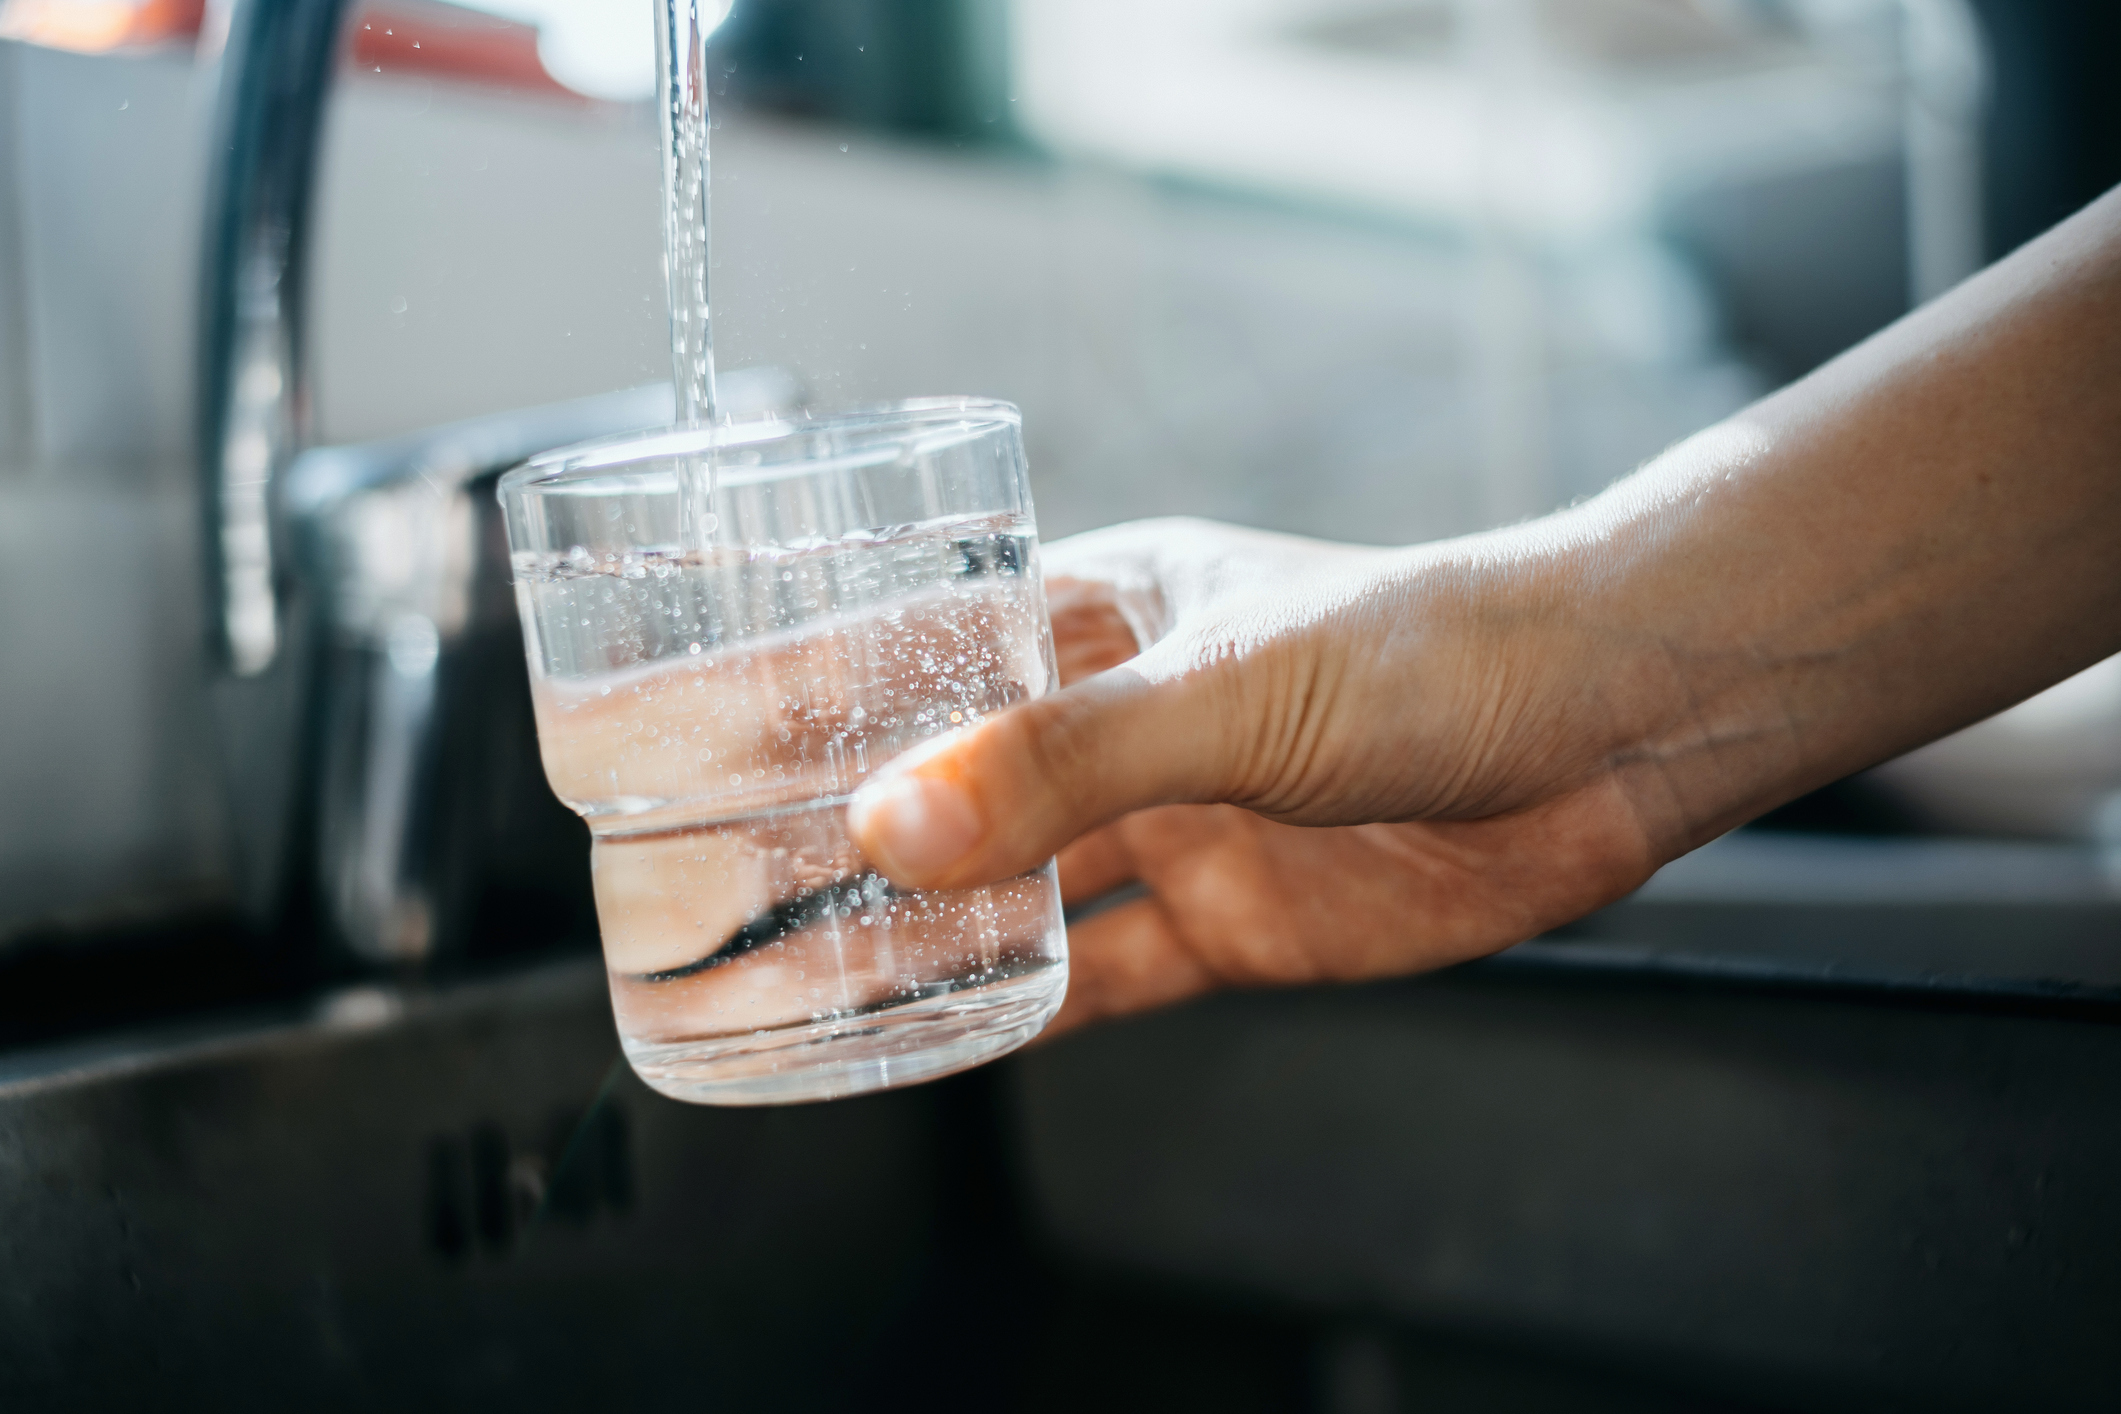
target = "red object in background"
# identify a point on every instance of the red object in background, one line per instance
(159, 20)
(426, 38)
(430, 39)
(98, 26)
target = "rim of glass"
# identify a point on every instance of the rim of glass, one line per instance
(931, 424)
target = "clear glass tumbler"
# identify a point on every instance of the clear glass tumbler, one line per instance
(716, 673)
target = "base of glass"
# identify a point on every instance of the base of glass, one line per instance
(853, 1055)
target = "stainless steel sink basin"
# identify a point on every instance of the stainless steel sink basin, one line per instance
(395, 1200)
(1791, 1142)
(1810, 1122)
(1769, 1196)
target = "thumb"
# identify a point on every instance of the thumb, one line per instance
(1002, 797)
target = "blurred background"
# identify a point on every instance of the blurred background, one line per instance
(1383, 272)
(1379, 270)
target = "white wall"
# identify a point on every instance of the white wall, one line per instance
(110, 797)
(1172, 350)
(476, 253)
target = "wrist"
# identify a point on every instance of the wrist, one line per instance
(1719, 639)
(1590, 657)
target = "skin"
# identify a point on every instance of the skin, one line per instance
(1330, 762)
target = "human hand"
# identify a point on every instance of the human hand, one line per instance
(1295, 685)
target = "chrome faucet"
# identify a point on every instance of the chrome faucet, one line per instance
(372, 697)
(276, 63)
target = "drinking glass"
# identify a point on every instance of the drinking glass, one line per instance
(729, 627)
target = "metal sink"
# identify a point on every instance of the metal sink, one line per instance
(1772, 1199)
(400, 1199)
(1717, 1166)
(1808, 1123)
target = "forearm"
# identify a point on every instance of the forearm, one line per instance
(1919, 534)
